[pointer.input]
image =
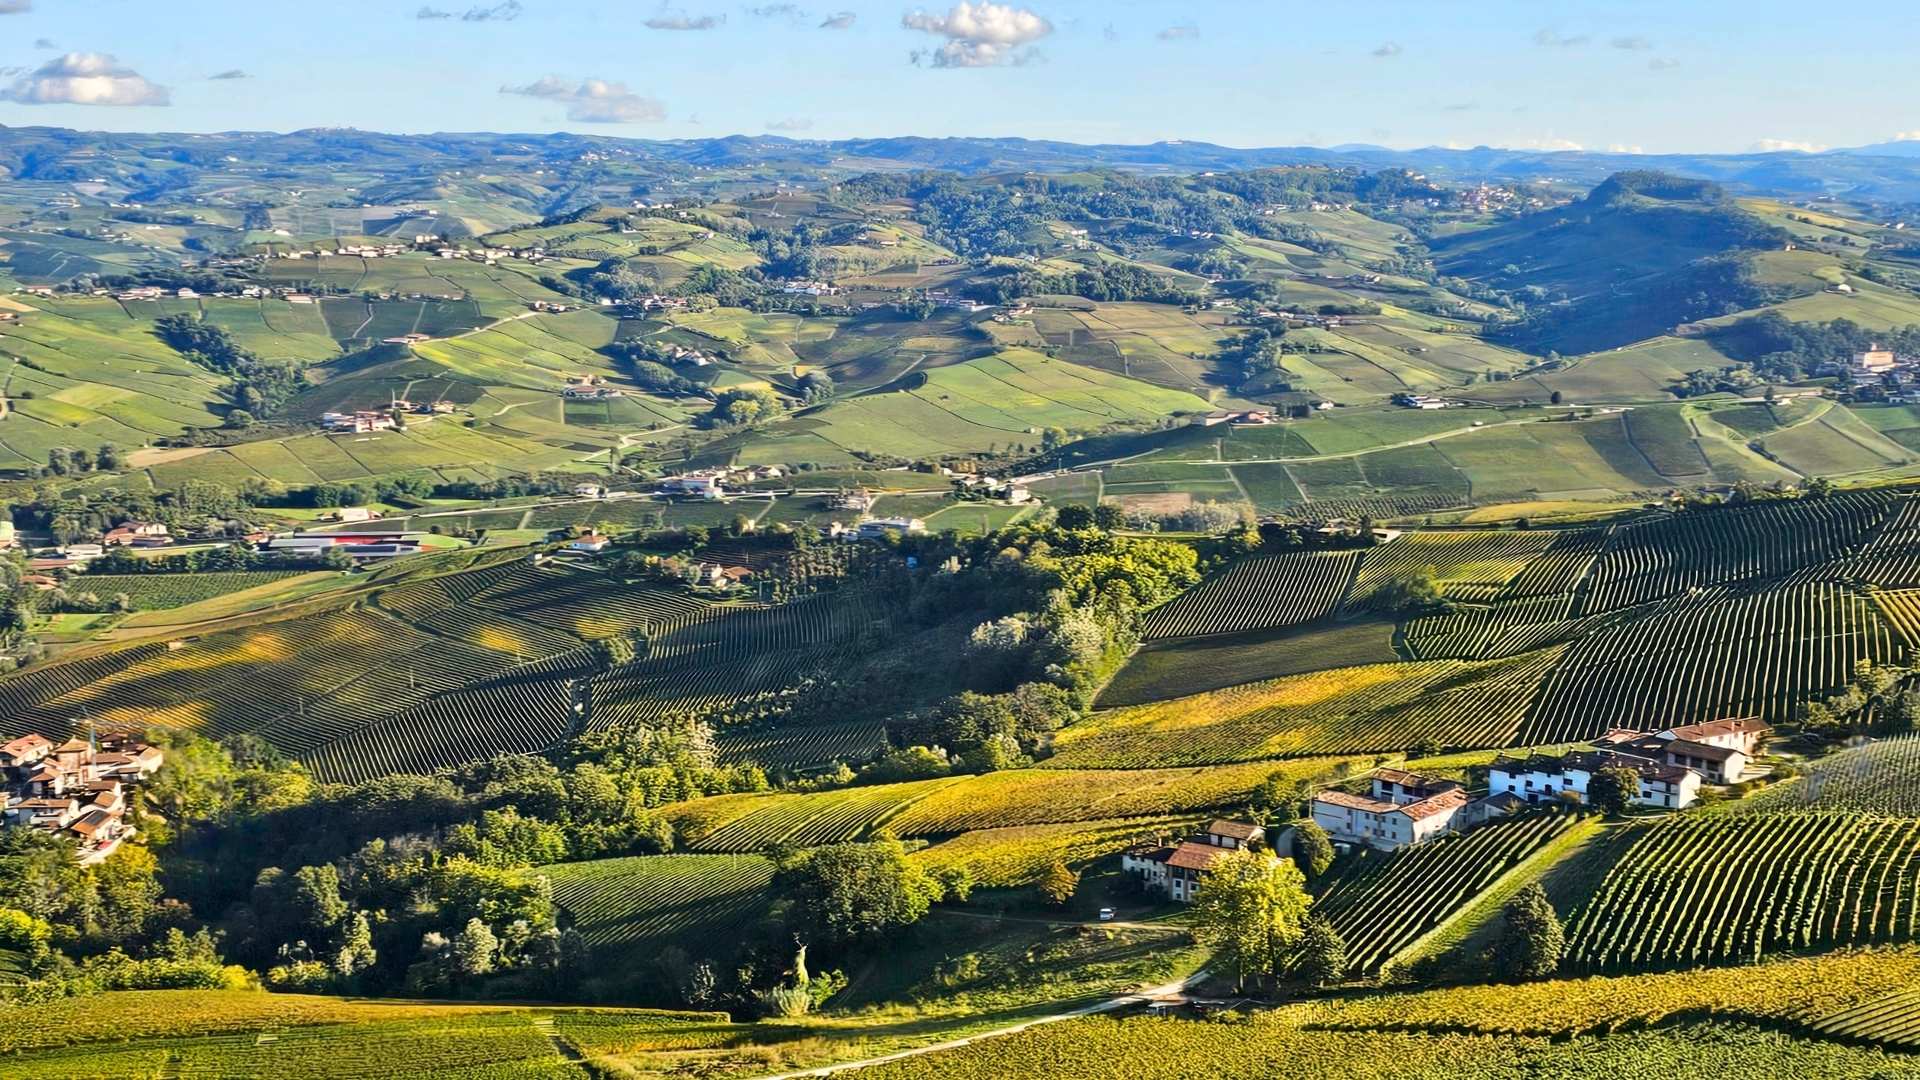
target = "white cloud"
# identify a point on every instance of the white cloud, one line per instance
(1623, 148)
(1907, 136)
(680, 20)
(1662, 63)
(503, 12)
(1551, 144)
(594, 101)
(778, 11)
(1179, 33)
(791, 123)
(1553, 39)
(839, 20)
(85, 79)
(1631, 43)
(1783, 146)
(15, 7)
(979, 35)
(1388, 49)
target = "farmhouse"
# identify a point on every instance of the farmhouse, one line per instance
(137, 533)
(706, 483)
(1419, 401)
(76, 789)
(875, 528)
(1177, 870)
(1565, 777)
(591, 543)
(356, 422)
(1404, 809)
(589, 491)
(1240, 417)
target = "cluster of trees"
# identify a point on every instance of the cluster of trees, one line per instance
(1878, 701)
(743, 406)
(1778, 348)
(646, 362)
(69, 461)
(1105, 282)
(1253, 357)
(260, 387)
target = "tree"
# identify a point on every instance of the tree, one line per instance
(1612, 790)
(474, 949)
(842, 894)
(1312, 848)
(1322, 956)
(1250, 909)
(356, 952)
(1059, 883)
(239, 419)
(1410, 590)
(1531, 940)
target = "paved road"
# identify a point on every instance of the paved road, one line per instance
(1138, 997)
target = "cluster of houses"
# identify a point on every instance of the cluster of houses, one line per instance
(1672, 764)
(590, 388)
(810, 288)
(78, 789)
(1175, 870)
(359, 422)
(1235, 417)
(712, 483)
(1877, 371)
(991, 487)
(1420, 401)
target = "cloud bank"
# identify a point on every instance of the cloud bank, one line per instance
(979, 35)
(85, 79)
(594, 101)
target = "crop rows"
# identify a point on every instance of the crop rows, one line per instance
(1876, 778)
(1560, 568)
(1722, 653)
(22, 695)
(623, 904)
(521, 714)
(1366, 709)
(1006, 858)
(1257, 594)
(1734, 888)
(1668, 555)
(1893, 1020)
(155, 592)
(824, 817)
(1383, 906)
(1471, 565)
(1482, 632)
(799, 747)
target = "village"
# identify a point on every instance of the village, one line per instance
(80, 789)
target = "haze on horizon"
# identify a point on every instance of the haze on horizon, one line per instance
(1633, 76)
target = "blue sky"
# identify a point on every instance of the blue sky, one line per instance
(1699, 75)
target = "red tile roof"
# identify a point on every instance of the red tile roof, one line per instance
(1239, 830)
(1746, 725)
(1192, 856)
(1355, 802)
(1426, 808)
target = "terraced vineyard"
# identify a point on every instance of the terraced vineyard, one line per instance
(623, 906)
(1389, 901)
(1734, 888)
(1376, 707)
(1876, 778)
(1470, 565)
(1258, 594)
(1724, 652)
(1663, 556)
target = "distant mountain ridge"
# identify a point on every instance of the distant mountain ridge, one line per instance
(1885, 171)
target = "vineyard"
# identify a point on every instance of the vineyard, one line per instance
(1723, 652)
(156, 592)
(1257, 594)
(1384, 903)
(953, 805)
(1877, 778)
(623, 906)
(1734, 888)
(1377, 707)
(1004, 858)
(1469, 565)
(249, 1033)
(1668, 555)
